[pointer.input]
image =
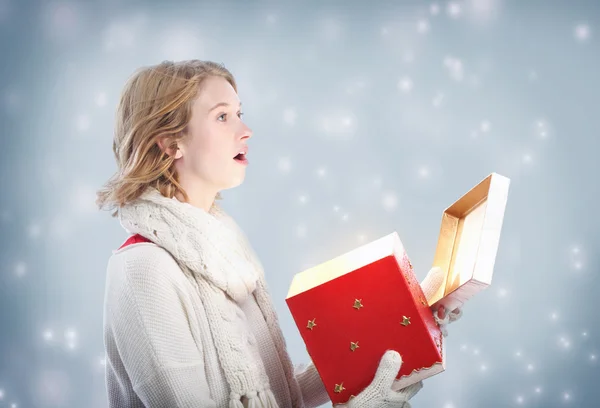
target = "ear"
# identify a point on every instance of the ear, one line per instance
(170, 147)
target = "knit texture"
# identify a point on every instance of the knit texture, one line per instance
(379, 392)
(184, 329)
(430, 285)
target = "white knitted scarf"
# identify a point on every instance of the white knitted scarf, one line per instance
(213, 248)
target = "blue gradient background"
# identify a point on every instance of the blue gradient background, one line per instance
(368, 117)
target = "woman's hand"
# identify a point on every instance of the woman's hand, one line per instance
(380, 393)
(443, 319)
(430, 285)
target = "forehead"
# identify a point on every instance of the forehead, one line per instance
(215, 90)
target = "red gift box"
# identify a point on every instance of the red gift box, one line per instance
(353, 308)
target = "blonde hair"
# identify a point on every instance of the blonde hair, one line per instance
(156, 103)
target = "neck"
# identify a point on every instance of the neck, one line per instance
(198, 199)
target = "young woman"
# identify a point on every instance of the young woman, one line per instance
(188, 318)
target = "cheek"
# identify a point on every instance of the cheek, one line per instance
(209, 155)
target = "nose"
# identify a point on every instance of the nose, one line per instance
(245, 131)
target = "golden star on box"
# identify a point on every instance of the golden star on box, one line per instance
(353, 345)
(358, 304)
(405, 321)
(339, 388)
(311, 324)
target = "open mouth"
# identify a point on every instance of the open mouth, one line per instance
(241, 158)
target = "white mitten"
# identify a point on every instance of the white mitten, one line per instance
(379, 393)
(430, 285)
(432, 282)
(447, 319)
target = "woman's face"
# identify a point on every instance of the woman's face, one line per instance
(216, 134)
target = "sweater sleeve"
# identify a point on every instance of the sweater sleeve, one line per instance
(313, 391)
(146, 317)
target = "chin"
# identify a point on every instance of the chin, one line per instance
(234, 183)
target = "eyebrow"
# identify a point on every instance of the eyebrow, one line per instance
(219, 105)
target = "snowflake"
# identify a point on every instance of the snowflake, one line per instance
(271, 18)
(582, 32)
(302, 198)
(284, 164)
(20, 269)
(321, 172)
(423, 26)
(289, 116)
(179, 43)
(331, 29)
(437, 100)
(454, 67)
(405, 84)
(408, 56)
(301, 231)
(34, 230)
(48, 335)
(82, 123)
(101, 99)
(454, 9)
(424, 172)
(485, 126)
(338, 124)
(389, 201)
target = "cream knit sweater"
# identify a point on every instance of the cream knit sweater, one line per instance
(152, 314)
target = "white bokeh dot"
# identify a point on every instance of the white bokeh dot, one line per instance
(485, 126)
(290, 116)
(48, 335)
(180, 42)
(424, 172)
(101, 99)
(423, 26)
(405, 84)
(34, 230)
(82, 123)
(582, 32)
(271, 18)
(454, 9)
(20, 269)
(284, 164)
(301, 231)
(389, 201)
(454, 67)
(437, 100)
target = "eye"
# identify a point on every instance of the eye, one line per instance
(222, 116)
(240, 114)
